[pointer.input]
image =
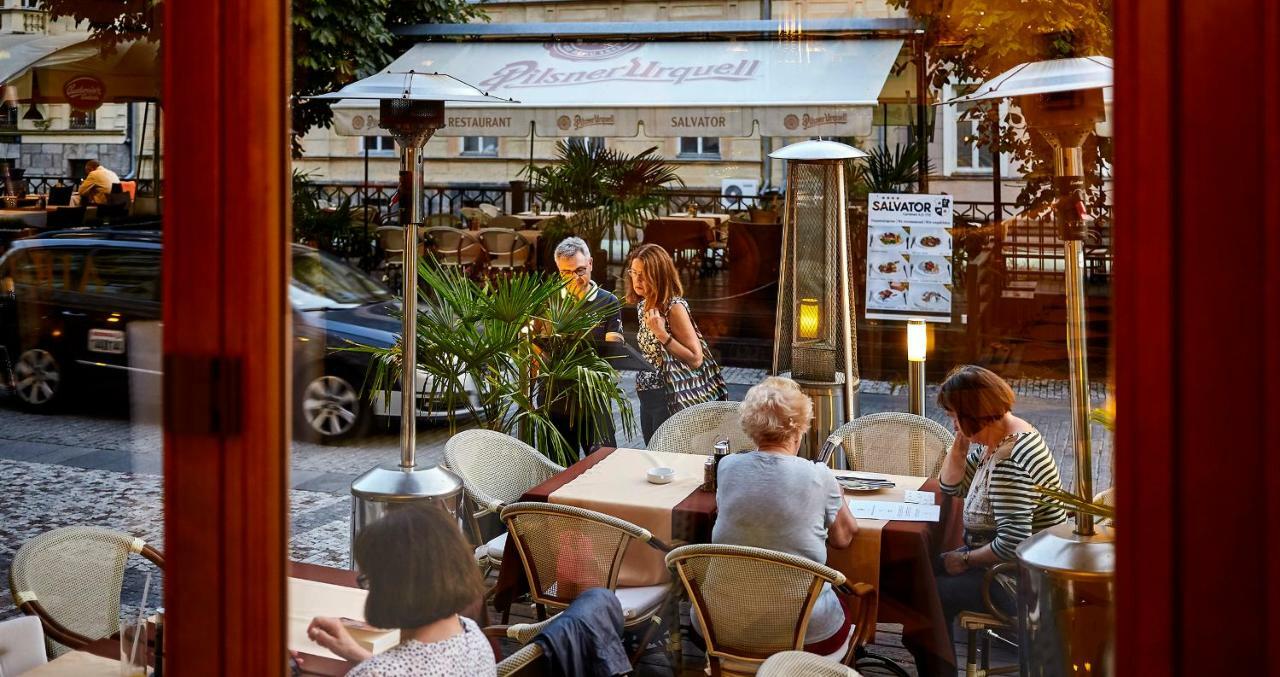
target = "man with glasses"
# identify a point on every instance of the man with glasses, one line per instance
(573, 259)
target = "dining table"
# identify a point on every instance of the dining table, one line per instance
(896, 556)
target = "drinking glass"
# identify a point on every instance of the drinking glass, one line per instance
(133, 648)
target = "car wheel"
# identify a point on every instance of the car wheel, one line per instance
(332, 409)
(38, 379)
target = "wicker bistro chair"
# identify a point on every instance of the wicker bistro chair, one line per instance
(696, 429)
(895, 443)
(496, 470)
(803, 664)
(454, 247)
(752, 603)
(442, 221)
(70, 578)
(508, 250)
(567, 550)
(391, 242)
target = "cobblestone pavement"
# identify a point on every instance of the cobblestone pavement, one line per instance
(84, 467)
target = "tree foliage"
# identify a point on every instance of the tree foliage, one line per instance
(334, 41)
(974, 40)
(337, 41)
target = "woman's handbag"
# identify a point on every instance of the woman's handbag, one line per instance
(686, 386)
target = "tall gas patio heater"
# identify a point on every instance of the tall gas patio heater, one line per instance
(815, 335)
(1066, 576)
(411, 108)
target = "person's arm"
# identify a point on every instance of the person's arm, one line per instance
(954, 474)
(332, 635)
(840, 533)
(841, 525)
(684, 344)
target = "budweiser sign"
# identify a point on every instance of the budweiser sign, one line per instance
(84, 92)
(530, 73)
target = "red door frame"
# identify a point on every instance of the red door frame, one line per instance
(227, 335)
(1196, 365)
(1197, 159)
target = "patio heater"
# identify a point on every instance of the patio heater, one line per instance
(814, 338)
(411, 108)
(1066, 576)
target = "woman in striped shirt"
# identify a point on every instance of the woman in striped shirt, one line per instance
(997, 481)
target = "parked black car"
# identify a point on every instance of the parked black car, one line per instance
(82, 308)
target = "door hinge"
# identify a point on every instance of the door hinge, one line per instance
(202, 395)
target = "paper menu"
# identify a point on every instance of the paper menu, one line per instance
(888, 510)
(919, 497)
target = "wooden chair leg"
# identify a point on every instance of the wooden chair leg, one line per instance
(971, 663)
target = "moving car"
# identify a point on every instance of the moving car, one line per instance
(80, 311)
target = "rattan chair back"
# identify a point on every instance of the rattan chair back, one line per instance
(750, 602)
(803, 664)
(567, 550)
(896, 443)
(496, 469)
(391, 239)
(71, 577)
(453, 246)
(473, 217)
(507, 249)
(529, 661)
(695, 430)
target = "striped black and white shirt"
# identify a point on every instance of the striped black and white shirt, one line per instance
(1012, 492)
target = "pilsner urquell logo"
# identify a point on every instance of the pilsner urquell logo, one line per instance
(531, 73)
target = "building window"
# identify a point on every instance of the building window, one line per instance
(84, 119)
(592, 143)
(8, 116)
(486, 146)
(380, 145)
(962, 154)
(699, 147)
(31, 4)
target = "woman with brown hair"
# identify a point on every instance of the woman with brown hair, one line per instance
(421, 575)
(666, 329)
(996, 479)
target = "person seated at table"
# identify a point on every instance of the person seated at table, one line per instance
(996, 478)
(96, 187)
(771, 498)
(421, 575)
(573, 260)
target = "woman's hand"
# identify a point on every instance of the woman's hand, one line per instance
(653, 319)
(332, 635)
(954, 562)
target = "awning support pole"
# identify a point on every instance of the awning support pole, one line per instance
(921, 113)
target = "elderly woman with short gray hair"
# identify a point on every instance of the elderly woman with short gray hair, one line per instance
(771, 498)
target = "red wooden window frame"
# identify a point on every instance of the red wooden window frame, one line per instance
(1197, 164)
(226, 337)
(1196, 364)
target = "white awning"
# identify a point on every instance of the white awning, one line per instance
(77, 69)
(616, 89)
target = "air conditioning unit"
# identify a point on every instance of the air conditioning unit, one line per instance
(732, 192)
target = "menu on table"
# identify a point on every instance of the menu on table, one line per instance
(909, 256)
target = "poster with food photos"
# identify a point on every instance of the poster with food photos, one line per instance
(909, 257)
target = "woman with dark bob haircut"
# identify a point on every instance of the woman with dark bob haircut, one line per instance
(994, 465)
(420, 574)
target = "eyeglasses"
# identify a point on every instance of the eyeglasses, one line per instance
(362, 581)
(635, 273)
(580, 271)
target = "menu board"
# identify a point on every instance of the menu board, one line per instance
(909, 257)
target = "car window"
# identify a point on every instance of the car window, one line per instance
(320, 281)
(132, 274)
(54, 269)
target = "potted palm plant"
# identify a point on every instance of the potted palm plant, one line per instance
(502, 353)
(603, 188)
